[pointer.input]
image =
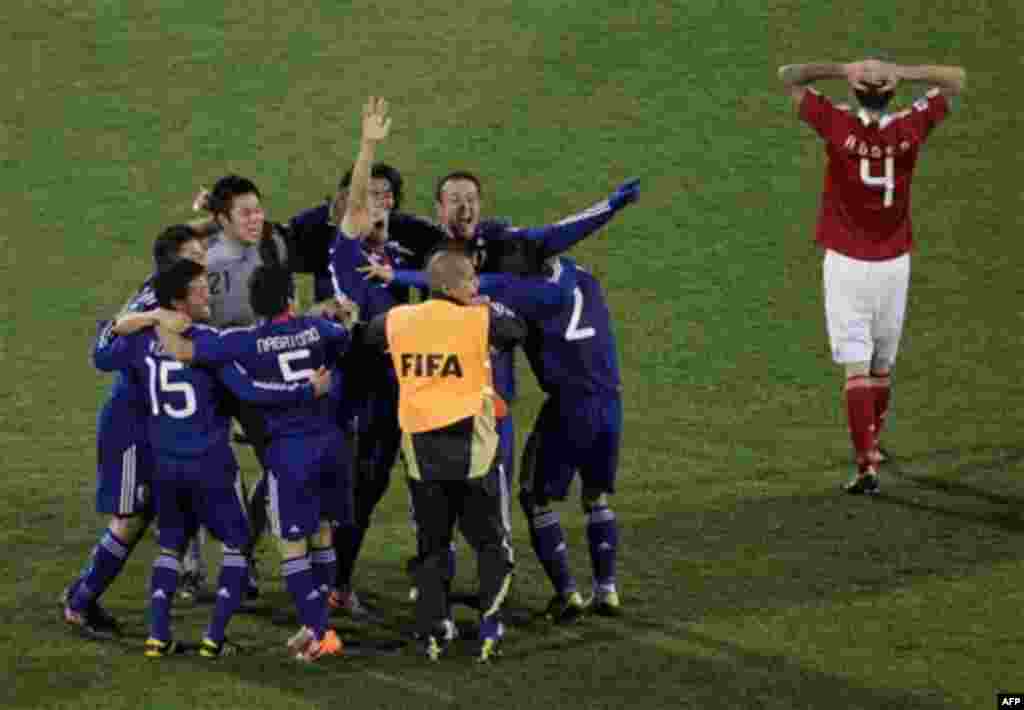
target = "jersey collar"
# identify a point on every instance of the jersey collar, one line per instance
(884, 120)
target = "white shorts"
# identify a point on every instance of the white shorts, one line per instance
(865, 304)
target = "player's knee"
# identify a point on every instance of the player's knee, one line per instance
(128, 528)
(324, 534)
(291, 549)
(591, 498)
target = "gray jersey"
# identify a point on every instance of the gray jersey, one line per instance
(229, 265)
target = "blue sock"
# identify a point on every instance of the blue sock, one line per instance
(309, 602)
(108, 560)
(325, 568)
(163, 584)
(603, 536)
(234, 573)
(549, 543)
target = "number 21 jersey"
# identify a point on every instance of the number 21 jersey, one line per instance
(865, 206)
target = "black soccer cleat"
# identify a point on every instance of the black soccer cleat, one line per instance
(565, 608)
(864, 482)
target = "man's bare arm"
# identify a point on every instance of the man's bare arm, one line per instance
(376, 124)
(949, 80)
(132, 322)
(797, 77)
(178, 346)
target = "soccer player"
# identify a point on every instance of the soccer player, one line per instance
(578, 431)
(372, 397)
(864, 226)
(448, 411)
(195, 479)
(306, 458)
(124, 459)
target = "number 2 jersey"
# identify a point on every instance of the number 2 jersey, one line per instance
(573, 351)
(281, 352)
(865, 206)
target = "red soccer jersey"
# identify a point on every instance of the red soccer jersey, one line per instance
(865, 207)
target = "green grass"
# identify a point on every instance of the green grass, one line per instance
(749, 581)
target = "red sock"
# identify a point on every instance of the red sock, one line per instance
(881, 387)
(860, 412)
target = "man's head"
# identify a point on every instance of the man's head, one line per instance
(457, 198)
(875, 98)
(235, 203)
(385, 196)
(178, 241)
(183, 287)
(270, 291)
(451, 273)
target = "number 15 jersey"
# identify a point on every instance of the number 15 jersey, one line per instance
(865, 206)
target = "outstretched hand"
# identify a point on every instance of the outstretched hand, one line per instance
(376, 121)
(381, 272)
(625, 194)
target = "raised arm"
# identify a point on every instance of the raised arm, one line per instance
(376, 124)
(562, 236)
(947, 79)
(797, 77)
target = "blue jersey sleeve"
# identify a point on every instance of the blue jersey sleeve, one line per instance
(562, 236)
(214, 347)
(115, 354)
(405, 277)
(346, 257)
(262, 393)
(535, 298)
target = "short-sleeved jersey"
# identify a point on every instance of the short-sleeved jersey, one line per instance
(865, 206)
(283, 351)
(372, 298)
(230, 265)
(575, 349)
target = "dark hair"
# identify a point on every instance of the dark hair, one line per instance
(226, 190)
(171, 284)
(379, 170)
(169, 242)
(874, 100)
(457, 175)
(270, 290)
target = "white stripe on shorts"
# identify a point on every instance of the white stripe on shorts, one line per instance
(127, 502)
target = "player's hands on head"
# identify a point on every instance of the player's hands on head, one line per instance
(376, 121)
(625, 194)
(321, 381)
(201, 202)
(872, 75)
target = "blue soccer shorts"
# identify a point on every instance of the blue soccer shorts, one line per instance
(578, 434)
(309, 479)
(124, 460)
(203, 490)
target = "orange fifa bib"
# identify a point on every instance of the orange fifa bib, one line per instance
(441, 356)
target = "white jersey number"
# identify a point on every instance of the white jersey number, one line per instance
(574, 332)
(160, 379)
(886, 181)
(289, 373)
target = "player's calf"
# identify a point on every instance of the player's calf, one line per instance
(603, 540)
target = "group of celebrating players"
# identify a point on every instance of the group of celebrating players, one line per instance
(213, 336)
(328, 399)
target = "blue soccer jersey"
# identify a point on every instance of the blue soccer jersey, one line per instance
(373, 298)
(184, 416)
(281, 352)
(575, 349)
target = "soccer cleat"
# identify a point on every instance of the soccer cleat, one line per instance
(211, 649)
(434, 648)
(349, 603)
(565, 608)
(492, 632)
(155, 648)
(865, 482)
(305, 647)
(94, 622)
(605, 604)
